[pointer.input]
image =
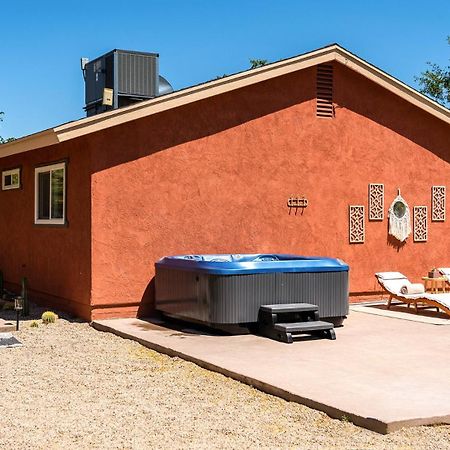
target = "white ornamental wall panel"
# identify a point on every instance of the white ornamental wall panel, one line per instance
(356, 224)
(438, 203)
(376, 201)
(420, 224)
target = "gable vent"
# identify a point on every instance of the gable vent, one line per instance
(324, 107)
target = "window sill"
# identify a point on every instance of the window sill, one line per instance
(51, 224)
(10, 188)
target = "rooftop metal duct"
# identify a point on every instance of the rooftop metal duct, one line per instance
(120, 78)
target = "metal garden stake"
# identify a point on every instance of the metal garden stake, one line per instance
(18, 306)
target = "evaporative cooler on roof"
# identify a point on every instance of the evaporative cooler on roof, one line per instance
(324, 105)
(121, 78)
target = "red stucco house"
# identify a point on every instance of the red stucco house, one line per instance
(89, 206)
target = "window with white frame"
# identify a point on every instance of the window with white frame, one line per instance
(50, 200)
(11, 179)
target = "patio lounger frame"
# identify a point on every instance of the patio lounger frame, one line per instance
(428, 301)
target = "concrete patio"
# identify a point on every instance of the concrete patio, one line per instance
(382, 373)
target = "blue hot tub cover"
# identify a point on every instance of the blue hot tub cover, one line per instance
(235, 264)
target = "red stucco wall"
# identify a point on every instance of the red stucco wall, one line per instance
(56, 260)
(215, 176)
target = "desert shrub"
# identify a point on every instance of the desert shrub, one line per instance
(34, 324)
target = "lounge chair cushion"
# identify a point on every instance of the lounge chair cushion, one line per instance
(442, 299)
(390, 276)
(395, 282)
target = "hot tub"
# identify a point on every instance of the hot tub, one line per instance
(227, 290)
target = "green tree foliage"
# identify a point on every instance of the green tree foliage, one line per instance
(435, 82)
(254, 63)
(4, 140)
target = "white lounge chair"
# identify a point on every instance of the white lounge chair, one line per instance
(392, 283)
(445, 272)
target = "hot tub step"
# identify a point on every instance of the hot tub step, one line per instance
(303, 327)
(283, 322)
(288, 312)
(285, 332)
(289, 307)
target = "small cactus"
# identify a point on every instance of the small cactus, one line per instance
(49, 317)
(34, 324)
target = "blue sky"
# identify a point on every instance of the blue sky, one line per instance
(41, 43)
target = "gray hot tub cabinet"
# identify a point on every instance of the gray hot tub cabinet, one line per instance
(226, 290)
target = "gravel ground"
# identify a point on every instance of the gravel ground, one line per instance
(73, 387)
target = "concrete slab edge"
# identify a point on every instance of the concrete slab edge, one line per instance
(369, 423)
(4, 328)
(399, 315)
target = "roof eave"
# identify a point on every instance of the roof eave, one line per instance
(72, 130)
(30, 142)
(192, 94)
(391, 84)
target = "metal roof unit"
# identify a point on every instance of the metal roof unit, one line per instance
(121, 78)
